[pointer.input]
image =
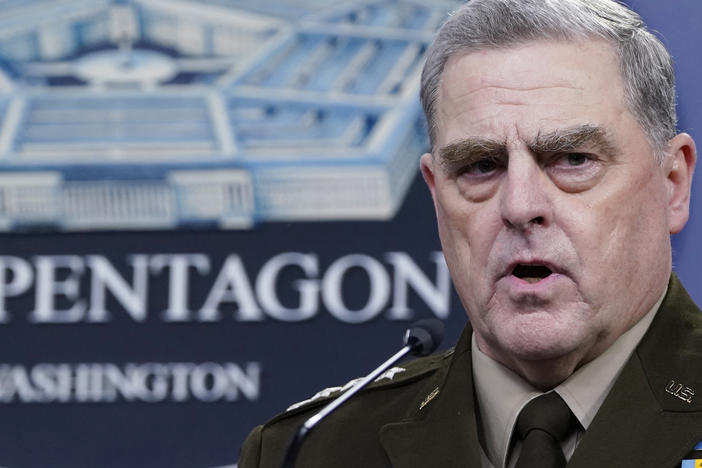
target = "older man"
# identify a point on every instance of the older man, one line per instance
(557, 179)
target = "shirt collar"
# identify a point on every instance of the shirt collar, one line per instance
(502, 393)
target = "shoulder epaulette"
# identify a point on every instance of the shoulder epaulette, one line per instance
(395, 376)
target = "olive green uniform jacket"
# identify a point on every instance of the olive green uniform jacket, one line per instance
(426, 415)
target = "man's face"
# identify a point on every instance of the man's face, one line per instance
(553, 214)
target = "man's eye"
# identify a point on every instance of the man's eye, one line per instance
(576, 159)
(484, 166)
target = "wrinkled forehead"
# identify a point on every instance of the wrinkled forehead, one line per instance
(531, 88)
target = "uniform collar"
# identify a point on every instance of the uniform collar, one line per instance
(501, 394)
(643, 422)
(640, 423)
(440, 429)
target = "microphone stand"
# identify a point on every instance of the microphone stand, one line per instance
(418, 341)
(294, 447)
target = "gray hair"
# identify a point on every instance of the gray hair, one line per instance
(645, 64)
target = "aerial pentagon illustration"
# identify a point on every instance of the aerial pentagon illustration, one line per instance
(166, 113)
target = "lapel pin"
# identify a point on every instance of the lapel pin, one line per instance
(680, 391)
(429, 397)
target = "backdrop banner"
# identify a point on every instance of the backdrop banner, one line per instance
(211, 210)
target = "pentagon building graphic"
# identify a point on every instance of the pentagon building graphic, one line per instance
(167, 113)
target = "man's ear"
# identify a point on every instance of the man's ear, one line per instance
(426, 165)
(679, 166)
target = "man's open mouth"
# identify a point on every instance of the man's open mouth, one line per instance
(531, 273)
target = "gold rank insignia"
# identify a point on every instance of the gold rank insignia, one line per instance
(428, 398)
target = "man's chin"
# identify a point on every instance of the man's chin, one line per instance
(539, 345)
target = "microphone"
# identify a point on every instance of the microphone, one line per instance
(424, 336)
(421, 339)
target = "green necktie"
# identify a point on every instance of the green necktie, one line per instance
(541, 426)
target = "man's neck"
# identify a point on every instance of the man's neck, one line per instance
(501, 392)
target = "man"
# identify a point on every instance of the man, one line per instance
(557, 179)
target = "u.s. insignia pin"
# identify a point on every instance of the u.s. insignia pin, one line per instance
(680, 391)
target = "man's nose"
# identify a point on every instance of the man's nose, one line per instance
(525, 201)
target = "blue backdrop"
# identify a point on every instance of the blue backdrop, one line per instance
(164, 347)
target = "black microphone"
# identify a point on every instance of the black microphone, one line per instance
(424, 336)
(421, 339)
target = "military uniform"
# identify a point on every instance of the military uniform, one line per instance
(425, 416)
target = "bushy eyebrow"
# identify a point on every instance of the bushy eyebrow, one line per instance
(471, 150)
(581, 137)
(584, 137)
